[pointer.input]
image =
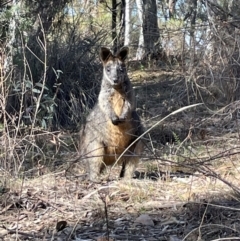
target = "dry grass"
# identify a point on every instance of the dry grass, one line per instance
(187, 182)
(34, 206)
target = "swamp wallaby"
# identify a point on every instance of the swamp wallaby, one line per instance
(113, 124)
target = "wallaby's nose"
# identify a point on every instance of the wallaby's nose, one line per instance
(115, 80)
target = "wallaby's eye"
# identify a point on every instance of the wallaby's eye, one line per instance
(120, 68)
(108, 68)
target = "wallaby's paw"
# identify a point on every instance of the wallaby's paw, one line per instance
(118, 120)
(115, 120)
(122, 119)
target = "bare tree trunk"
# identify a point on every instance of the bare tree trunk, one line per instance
(114, 25)
(12, 37)
(150, 25)
(140, 50)
(193, 14)
(127, 23)
(210, 48)
(12, 52)
(121, 35)
(171, 8)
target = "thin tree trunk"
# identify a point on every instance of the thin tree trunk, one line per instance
(12, 37)
(193, 10)
(121, 34)
(127, 23)
(8, 69)
(171, 8)
(140, 50)
(150, 25)
(114, 24)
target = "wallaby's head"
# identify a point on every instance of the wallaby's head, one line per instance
(114, 69)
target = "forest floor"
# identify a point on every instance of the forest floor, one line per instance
(186, 186)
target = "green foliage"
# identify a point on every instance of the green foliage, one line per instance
(29, 93)
(176, 138)
(173, 24)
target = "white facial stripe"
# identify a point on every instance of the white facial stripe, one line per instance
(105, 74)
(113, 65)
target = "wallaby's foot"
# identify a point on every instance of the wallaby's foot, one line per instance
(95, 164)
(95, 180)
(94, 177)
(128, 168)
(130, 164)
(128, 175)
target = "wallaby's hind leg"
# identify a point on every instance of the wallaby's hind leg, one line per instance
(128, 167)
(130, 163)
(95, 161)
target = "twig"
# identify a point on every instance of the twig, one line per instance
(51, 204)
(25, 234)
(103, 197)
(208, 226)
(96, 191)
(6, 208)
(74, 228)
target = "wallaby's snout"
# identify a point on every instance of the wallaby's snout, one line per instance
(115, 81)
(111, 73)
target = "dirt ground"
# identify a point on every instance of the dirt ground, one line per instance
(53, 207)
(186, 186)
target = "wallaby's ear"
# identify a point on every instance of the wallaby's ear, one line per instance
(105, 53)
(123, 53)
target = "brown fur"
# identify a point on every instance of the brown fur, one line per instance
(113, 124)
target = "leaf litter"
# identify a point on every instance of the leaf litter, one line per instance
(38, 211)
(193, 203)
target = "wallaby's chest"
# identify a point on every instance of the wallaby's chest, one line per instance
(119, 136)
(117, 100)
(118, 139)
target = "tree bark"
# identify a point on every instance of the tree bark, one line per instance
(114, 24)
(150, 25)
(121, 35)
(140, 50)
(171, 8)
(127, 23)
(191, 14)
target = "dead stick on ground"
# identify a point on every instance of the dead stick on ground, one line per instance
(25, 234)
(51, 204)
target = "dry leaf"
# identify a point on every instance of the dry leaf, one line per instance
(145, 220)
(174, 238)
(61, 225)
(3, 232)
